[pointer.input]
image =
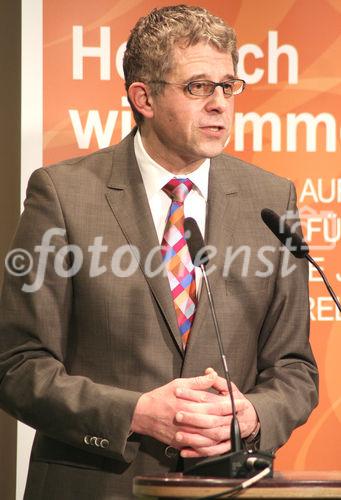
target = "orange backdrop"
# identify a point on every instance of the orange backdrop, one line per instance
(291, 52)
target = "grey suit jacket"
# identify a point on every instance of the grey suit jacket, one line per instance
(76, 354)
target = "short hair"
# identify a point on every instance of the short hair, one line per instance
(149, 53)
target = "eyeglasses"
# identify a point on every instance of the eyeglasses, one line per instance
(203, 88)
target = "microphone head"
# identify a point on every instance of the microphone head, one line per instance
(195, 243)
(294, 243)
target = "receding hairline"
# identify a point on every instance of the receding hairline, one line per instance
(181, 46)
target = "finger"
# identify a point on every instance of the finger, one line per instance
(221, 406)
(209, 451)
(215, 435)
(197, 396)
(236, 391)
(193, 440)
(220, 383)
(201, 382)
(201, 420)
(242, 404)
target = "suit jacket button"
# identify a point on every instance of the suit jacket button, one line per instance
(93, 440)
(104, 443)
(171, 452)
(98, 442)
(87, 439)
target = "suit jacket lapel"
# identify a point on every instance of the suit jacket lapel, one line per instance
(222, 214)
(129, 204)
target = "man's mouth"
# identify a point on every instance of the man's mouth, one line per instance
(213, 127)
(214, 130)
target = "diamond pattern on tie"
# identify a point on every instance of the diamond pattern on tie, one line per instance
(175, 253)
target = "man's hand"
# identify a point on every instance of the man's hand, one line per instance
(182, 413)
(185, 415)
(247, 418)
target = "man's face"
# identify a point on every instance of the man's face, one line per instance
(184, 128)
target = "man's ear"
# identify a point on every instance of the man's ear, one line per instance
(139, 95)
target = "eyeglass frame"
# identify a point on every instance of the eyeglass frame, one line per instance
(186, 86)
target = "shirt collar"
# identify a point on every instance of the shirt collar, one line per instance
(155, 176)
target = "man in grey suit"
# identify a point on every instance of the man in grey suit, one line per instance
(92, 351)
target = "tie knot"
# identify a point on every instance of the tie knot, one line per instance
(178, 189)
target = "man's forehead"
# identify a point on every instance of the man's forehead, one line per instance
(199, 59)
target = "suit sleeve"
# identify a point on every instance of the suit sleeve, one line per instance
(287, 381)
(35, 314)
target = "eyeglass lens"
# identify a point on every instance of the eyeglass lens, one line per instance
(207, 87)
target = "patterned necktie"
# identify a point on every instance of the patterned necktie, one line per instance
(177, 259)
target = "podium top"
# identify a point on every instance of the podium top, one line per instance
(291, 484)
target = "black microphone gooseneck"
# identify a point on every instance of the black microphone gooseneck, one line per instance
(200, 259)
(295, 244)
(238, 462)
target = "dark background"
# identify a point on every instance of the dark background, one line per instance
(10, 64)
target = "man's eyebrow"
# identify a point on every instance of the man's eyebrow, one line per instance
(200, 76)
(204, 76)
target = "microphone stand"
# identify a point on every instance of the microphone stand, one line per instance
(236, 441)
(239, 462)
(295, 244)
(326, 282)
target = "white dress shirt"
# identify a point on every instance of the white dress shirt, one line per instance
(155, 177)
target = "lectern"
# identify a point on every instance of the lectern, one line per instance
(283, 485)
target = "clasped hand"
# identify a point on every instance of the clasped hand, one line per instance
(185, 415)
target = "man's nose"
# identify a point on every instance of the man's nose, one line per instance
(218, 101)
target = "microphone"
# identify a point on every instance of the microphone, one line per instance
(199, 256)
(195, 243)
(295, 244)
(237, 462)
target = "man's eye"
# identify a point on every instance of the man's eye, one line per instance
(198, 85)
(228, 87)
